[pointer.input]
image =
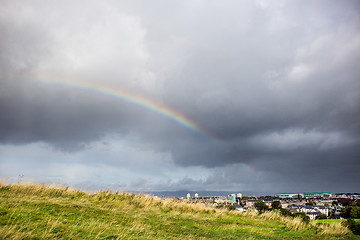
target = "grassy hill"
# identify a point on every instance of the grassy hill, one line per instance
(43, 212)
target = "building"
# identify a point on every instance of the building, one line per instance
(312, 211)
(347, 195)
(317, 194)
(304, 195)
(232, 198)
(313, 214)
(250, 203)
(287, 195)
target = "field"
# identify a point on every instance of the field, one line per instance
(331, 221)
(57, 212)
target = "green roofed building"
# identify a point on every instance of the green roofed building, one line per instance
(317, 194)
(286, 195)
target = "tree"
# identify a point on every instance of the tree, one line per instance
(276, 204)
(345, 212)
(355, 212)
(285, 212)
(321, 216)
(345, 202)
(311, 203)
(261, 206)
(335, 203)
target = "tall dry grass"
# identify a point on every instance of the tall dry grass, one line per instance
(108, 197)
(42, 189)
(112, 201)
(333, 228)
(295, 224)
(298, 225)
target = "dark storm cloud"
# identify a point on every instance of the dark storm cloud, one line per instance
(277, 83)
(32, 111)
(65, 118)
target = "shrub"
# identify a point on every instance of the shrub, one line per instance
(230, 207)
(285, 212)
(353, 226)
(261, 206)
(345, 212)
(276, 205)
(311, 203)
(321, 216)
(355, 212)
(227, 207)
(303, 216)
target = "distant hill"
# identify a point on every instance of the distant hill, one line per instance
(42, 212)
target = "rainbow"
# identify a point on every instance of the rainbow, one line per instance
(134, 99)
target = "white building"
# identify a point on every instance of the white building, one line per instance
(313, 211)
(287, 195)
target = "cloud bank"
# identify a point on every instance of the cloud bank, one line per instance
(275, 84)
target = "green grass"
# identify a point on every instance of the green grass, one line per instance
(41, 212)
(332, 221)
(329, 221)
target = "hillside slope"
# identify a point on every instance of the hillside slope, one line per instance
(41, 212)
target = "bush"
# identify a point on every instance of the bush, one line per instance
(230, 207)
(321, 216)
(285, 212)
(276, 205)
(261, 206)
(345, 212)
(311, 203)
(353, 226)
(303, 216)
(355, 212)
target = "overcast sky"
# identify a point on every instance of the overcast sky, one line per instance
(274, 84)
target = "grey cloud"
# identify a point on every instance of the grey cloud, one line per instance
(275, 82)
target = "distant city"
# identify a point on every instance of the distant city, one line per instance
(313, 204)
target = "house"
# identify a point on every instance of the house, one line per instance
(311, 211)
(312, 215)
